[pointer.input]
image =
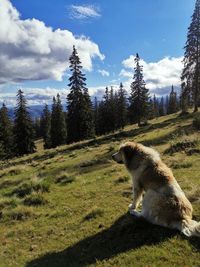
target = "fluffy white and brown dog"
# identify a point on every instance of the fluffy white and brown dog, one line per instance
(164, 203)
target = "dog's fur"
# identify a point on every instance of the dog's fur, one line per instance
(164, 203)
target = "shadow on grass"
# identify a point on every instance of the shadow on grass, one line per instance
(127, 233)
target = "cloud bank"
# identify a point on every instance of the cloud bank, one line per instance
(159, 76)
(29, 50)
(41, 96)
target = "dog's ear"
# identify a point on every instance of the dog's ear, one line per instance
(129, 152)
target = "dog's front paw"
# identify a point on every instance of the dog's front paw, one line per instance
(131, 207)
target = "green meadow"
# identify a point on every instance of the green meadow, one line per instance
(69, 206)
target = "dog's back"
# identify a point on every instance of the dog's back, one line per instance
(164, 198)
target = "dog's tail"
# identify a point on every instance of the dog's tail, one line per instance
(190, 228)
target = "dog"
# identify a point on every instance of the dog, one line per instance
(163, 201)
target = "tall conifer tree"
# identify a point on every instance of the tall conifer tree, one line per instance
(121, 107)
(53, 124)
(161, 107)
(172, 101)
(80, 123)
(151, 113)
(58, 125)
(88, 127)
(106, 112)
(112, 107)
(6, 133)
(37, 128)
(46, 127)
(167, 104)
(139, 95)
(155, 106)
(23, 127)
(96, 115)
(191, 71)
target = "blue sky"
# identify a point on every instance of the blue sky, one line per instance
(107, 34)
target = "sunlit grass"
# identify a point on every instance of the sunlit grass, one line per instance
(68, 206)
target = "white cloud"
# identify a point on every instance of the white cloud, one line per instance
(126, 73)
(104, 73)
(84, 12)
(41, 96)
(157, 75)
(115, 81)
(34, 96)
(29, 50)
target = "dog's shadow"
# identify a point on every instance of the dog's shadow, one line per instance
(125, 234)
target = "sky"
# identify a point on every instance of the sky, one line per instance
(37, 36)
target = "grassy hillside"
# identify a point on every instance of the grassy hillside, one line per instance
(68, 206)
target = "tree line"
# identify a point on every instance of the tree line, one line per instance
(83, 118)
(190, 78)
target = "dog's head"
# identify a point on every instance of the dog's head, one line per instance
(129, 154)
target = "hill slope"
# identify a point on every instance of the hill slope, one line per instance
(68, 206)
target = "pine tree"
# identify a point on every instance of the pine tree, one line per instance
(191, 72)
(37, 128)
(161, 107)
(106, 112)
(88, 128)
(58, 125)
(139, 95)
(109, 109)
(61, 122)
(172, 102)
(80, 124)
(46, 127)
(54, 136)
(121, 107)
(6, 134)
(23, 127)
(101, 123)
(167, 104)
(184, 100)
(96, 115)
(151, 114)
(155, 106)
(103, 114)
(112, 106)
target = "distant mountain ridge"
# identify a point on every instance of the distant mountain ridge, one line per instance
(35, 111)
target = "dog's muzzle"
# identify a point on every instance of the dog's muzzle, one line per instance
(117, 157)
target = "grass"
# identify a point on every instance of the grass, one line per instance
(85, 221)
(8, 202)
(64, 178)
(95, 213)
(122, 179)
(29, 187)
(35, 199)
(181, 165)
(184, 145)
(17, 214)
